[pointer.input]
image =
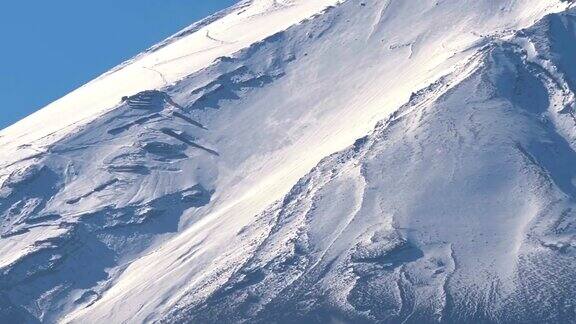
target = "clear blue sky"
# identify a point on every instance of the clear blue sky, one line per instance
(51, 47)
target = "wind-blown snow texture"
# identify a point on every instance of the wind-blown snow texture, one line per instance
(303, 161)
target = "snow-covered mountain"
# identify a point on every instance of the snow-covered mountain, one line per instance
(307, 161)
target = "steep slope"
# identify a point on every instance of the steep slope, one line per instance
(172, 204)
(458, 209)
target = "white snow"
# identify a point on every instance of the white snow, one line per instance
(250, 22)
(300, 82)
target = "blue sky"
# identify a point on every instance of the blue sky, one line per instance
(49, 48)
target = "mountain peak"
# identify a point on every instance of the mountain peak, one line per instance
(306, 161)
